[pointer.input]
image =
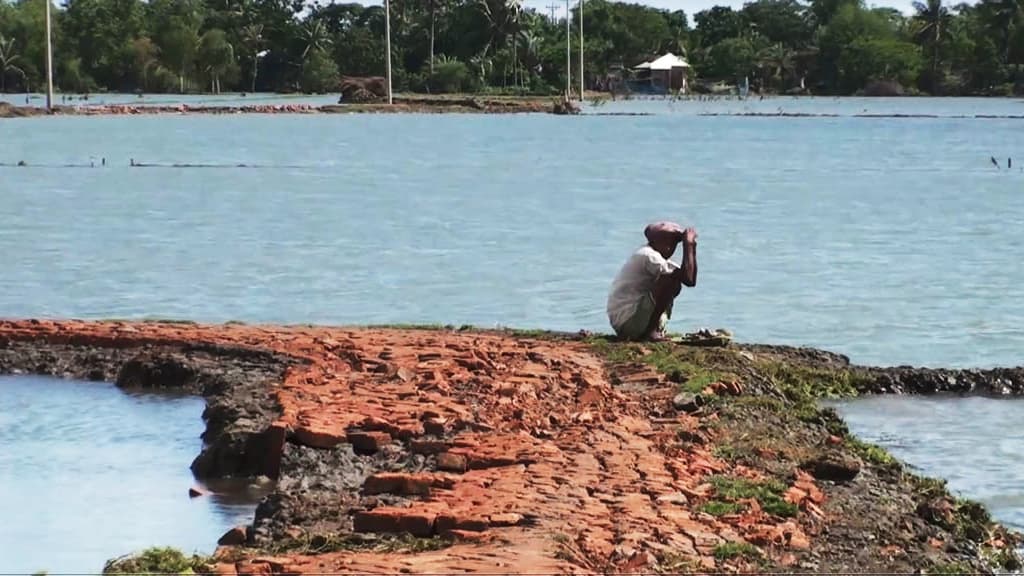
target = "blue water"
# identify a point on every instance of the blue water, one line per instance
(976, 444)
(91, 473)
(891, 240)
(894, 241)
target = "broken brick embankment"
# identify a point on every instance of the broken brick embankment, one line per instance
(403, 450)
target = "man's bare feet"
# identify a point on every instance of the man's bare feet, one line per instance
(656, 336)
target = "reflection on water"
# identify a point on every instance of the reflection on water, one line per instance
(91, 472)
(977, 444)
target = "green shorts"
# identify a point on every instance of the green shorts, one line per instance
(636, 326)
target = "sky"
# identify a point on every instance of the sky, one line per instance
(693, 6)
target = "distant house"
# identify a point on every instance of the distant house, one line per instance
(661, 76)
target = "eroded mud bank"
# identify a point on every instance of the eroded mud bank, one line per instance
(433, 450)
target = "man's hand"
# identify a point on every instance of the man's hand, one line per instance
(690, 235)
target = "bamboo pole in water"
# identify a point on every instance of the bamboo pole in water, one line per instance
(49, 60)
(387, 43)
(582, 84)
(568, 51)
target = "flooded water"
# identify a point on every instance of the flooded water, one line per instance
(91, 472)
(891, 240)
(976, 444)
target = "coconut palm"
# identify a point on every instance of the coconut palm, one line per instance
(251, 38)
(436, 8)
(931, 21)
(778, 62)
(8, 57)
(315, 36)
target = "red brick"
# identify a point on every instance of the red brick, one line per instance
(467, 536)
(249, 568)
(451, 462)
(508, 519)
(234, 537)
(317, 438)
(404, 483)
(427, 446)
(276, 435)
(452, 521)
(368, 441)
(395, 521)
(435, 426)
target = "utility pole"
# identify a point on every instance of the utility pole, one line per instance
(568, 51)
(582, 87)
(49, 60)
(387, 43)
(553, 7)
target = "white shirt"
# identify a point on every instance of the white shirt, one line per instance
(635, 280)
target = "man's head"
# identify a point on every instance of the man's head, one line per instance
(664, 237)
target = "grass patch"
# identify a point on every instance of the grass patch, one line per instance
(683, 365)
(731, 550)
(802, 383)
(672, 563)
(158, 560)
(1004, 558)
(871, 453)
(928, 487)
(720, 508)
(951, 568)
(768, 494)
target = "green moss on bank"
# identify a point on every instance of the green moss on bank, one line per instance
(778, 425)
(159, 560)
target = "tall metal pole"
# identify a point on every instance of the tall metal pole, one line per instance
(582, 86)
(49, 60)
(387, 42)
(568, 51)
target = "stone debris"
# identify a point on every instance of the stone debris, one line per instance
(534, 461)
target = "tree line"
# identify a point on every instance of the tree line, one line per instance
(815, 46)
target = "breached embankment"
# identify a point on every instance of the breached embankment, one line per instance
(402, 450)
(405, 104)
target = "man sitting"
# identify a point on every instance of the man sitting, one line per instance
(640, 301)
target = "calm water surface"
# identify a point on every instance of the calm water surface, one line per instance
(894, 241)
(975, 443)
(91, 472)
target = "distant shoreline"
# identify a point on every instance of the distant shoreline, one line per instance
(456, 104)
(464, 104)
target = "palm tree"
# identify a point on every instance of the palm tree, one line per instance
(436, 7)
(252, 39)
(778, 60)
(315, 36)
(931, 21)
(8, 57)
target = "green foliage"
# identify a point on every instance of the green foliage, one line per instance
(806, 383)
(731, 58)
(871, 453)
(681, 364)
(158, 560)
(720, 508)
(869, 59)
(951, 568)
(452, 76)
(768, 493)
(319, 73)
(498, 46)
(730, 550)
